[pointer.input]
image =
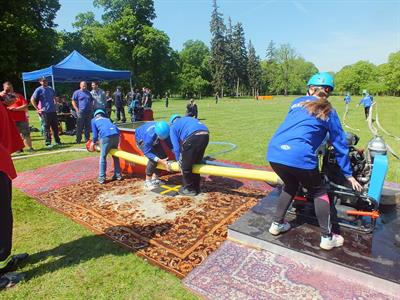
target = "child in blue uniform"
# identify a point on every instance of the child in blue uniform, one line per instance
(292, 153)
(108, 134)
(366, 101)
(148, 138)
(347, 98)
(189, 139)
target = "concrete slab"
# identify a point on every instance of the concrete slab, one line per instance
(365, 258)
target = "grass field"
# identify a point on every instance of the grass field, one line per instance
(69, 262)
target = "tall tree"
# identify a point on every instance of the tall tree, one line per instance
(28, 35)
(285, 56)
(392, 73)
(194, 74)
(239, 55)
(143, 10)
(354, 78)
(271, 52)
(254, 70)
(218, 50)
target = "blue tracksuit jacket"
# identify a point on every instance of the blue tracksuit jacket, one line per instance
(181, 129)
(366, 101)
(297, 140)
(103, 127)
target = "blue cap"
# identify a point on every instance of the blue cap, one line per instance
(322, 79)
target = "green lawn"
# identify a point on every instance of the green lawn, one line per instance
(69, 262)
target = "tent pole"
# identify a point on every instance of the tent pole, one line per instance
(52, 82)
(23, 83)
(130, 83)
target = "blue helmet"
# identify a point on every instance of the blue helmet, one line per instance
(162, 130)
(173, 117)
(322, 79)
(99, 111)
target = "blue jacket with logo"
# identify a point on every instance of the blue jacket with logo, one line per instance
(103, 127)
(297, 140)
(181, 129)
(147, 136)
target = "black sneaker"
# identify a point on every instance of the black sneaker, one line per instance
(8, 280)
(13, 263)
(186, 192)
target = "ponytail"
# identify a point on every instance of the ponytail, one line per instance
(321, 107)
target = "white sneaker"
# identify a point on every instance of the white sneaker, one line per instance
(277, 228)
(157, 181)
(328, 243)
(149, 185)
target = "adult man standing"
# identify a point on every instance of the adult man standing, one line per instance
(82, 101)
(18, 112)
(44, 96)
(99, 97)
(119, 105)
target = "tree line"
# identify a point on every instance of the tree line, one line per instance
(125, 38)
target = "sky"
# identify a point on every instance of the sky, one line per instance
(329, 33)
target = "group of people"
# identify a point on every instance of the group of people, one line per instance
(366, 101)
(186, 137)
(78, 113)
(292, 154)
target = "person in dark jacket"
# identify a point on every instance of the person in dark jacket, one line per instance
(119, 105)
(292, 153)
(108, 134)
(191, 109)
(189, 139)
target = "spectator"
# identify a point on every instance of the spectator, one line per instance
(43, 101)
(82, 101)
(66, 115)
(130, 96)
(99, 97)
(166, 99)
(138, 97)
(347, 98)
(109, 101)
(191, 109)
(133, 110)
(216, 97)
(19, 110)
(10, 142)
(119, 105)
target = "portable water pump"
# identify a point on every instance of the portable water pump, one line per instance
(352, 209)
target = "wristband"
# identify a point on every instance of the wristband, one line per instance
(156, 159)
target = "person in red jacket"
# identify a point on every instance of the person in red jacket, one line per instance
(19, 111)
(10, 141)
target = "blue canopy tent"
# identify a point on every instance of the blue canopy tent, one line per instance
(74, 68)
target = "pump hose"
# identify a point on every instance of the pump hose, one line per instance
(374, 131)
(346, 111)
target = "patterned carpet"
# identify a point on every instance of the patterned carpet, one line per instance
(52, 177)
(176, 233)
(237, 272)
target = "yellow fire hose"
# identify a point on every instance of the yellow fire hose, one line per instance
(265, 176)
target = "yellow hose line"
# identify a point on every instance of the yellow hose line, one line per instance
(266, 176)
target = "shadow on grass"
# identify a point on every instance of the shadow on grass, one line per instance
(92, 247)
